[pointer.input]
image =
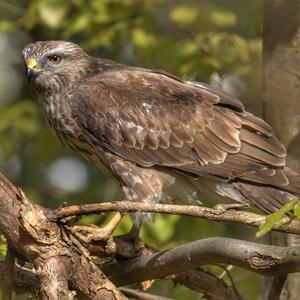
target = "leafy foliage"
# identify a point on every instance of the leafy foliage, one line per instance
(277, 218)
(3, 246)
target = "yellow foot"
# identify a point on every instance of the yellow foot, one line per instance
(94, 233)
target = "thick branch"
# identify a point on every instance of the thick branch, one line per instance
(26, 280)
(184, 259)
(204, 282)
(58, 258)
(262, 259)
(220, 214)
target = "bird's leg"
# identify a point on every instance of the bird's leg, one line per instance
(108, 229)
(132, 236)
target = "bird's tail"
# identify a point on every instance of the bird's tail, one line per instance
(271, 198)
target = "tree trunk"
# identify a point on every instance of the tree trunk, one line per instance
(281, 88)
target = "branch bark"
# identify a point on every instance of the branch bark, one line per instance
(262, 259)
(58, 258)
(220, 213)
(206, 283)
(25, 280)
(38, 235)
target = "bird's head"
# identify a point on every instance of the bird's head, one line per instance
(49, 64)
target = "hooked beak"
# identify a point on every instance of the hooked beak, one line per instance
(32, 68)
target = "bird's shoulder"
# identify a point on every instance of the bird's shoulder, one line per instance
(152, 117)
(122, 85)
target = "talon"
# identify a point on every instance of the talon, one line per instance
(93, 232)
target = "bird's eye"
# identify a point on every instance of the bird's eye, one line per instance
(54, 59)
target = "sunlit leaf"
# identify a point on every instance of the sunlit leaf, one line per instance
(6, 26)
(78, 24)
(21, 116)
(223, 18)
(241, 47)
(297, 210)
(187, 48)
(184, 14)
(162, 229)
(3, 245)
(141, 38)
(52, 12)
(273, 220)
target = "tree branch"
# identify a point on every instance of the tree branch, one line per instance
(220, 213)
(206, 283)
(26, 280)
(61, 261)
(262, 259)
(184, 259)
(58, 258)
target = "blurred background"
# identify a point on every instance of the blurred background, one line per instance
(213, 41)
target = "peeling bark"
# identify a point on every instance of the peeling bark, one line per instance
(63, 266)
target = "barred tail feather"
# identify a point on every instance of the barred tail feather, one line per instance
(266, 198)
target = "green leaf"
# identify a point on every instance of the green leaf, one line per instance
(188, 48)
(52, 13)
(22, 116)
(78, 24)
(274, 220)
(184, 14)
(223, 18)
(7, 26)
(161, 229)
(297, 210)
(141, 38)
(3, 245)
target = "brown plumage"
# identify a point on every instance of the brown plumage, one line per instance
(164, 139)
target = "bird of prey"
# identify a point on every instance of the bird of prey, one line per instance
(162, 138)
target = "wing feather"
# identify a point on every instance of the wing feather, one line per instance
(154, 119)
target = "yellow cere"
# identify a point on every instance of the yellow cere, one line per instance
(31, 63)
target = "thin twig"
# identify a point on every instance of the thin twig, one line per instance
(220, 213)
(227, 269)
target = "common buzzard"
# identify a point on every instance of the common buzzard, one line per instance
(163, 138)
